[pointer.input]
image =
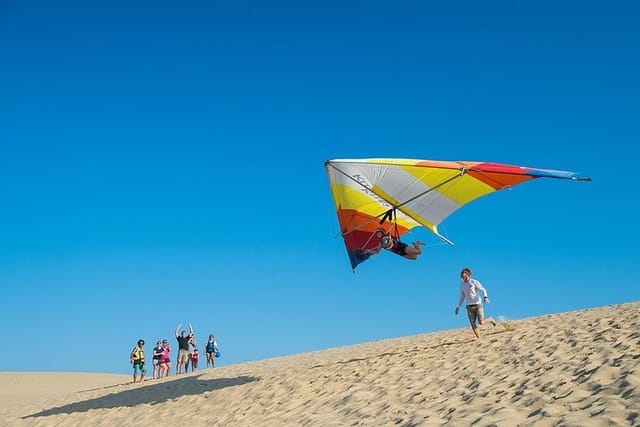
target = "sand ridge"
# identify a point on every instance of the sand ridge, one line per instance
(577, 368)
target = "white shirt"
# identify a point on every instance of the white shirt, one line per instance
(471, 291)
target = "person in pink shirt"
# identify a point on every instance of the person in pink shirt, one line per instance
(165, 361)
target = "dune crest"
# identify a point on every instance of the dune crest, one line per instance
(577, 368)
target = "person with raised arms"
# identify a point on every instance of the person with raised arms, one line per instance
(183, 347)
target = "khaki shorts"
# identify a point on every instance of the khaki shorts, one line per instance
(475, 311)
(183, 356)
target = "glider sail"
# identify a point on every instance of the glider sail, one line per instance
(396, 195)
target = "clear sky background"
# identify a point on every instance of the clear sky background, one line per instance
(162, 163)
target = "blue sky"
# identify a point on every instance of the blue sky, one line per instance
(162, 163)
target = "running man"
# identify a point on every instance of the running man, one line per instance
(470, 290)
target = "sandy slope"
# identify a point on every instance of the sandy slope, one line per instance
(578, 368)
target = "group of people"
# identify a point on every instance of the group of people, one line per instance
(470, 290)
(188, 355)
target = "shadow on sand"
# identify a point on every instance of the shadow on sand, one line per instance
(155, 392)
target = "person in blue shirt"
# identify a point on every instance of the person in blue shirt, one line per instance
(210, 350)
(158, 351)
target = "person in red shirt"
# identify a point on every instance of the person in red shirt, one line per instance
(194, 360)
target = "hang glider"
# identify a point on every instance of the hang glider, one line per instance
(393, 196)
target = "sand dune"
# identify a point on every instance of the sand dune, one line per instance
(577, 368)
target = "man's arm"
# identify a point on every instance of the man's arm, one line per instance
(461, 299)
(178, 328)
(484, 291)
(190, 329)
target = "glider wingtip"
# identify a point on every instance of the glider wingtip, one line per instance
(444, 239)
